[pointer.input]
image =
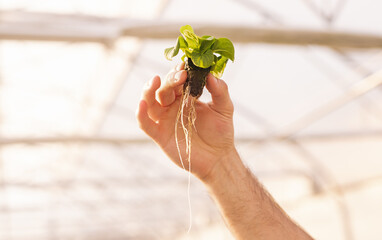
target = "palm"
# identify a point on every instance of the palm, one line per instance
(213, 132)
(212, 136)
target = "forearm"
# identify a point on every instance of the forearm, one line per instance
(248, 209)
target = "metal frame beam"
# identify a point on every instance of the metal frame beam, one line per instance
(16, 25)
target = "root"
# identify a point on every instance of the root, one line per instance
(187, 104)
(180, 116)
(192, 114)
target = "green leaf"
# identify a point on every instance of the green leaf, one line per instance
(182, 43)
(206, 37)
(168, 53)
(206, 43)
(171, 52)
(202, 50)
(216, 58)
(219, 66)
(176, 49)
(190, 37)
(203, 60)
(224, 47)
(188, 53)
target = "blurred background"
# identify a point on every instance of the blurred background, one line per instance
(308, 116)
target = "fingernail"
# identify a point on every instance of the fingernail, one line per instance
(178, 67)
(178, 75)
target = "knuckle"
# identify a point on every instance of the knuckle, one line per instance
(166, 99)
(161, 97)
(170, 75)
(140, 123)
(160, 94)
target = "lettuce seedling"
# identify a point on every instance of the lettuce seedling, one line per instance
(201, 56)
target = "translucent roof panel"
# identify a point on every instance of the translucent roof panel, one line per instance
(75, 165)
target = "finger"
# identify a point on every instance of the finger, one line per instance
(144, 121)
(168, 91)
(179, 89)
(221, 101)
(179, 66)
(148, 94)
(150, 87)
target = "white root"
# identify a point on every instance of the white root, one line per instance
(186, 108)
(187, 103)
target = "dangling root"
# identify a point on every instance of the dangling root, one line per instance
(189, 105)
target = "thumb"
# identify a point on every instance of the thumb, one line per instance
(221, 101)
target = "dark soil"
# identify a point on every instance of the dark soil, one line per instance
(196, 78)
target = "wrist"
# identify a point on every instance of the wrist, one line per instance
(226, 170)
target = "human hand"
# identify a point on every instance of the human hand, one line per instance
(214, 135)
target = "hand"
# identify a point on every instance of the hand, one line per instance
(213, 137)
(214, 158)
